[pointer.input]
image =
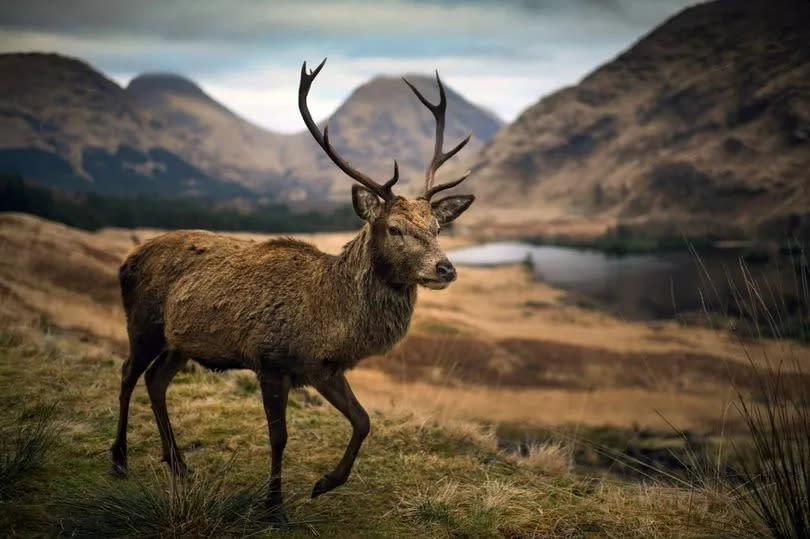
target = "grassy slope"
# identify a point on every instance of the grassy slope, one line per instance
(494, 336)
(415, 477)
(423, 471)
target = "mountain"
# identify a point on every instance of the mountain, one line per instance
(704, 123)
(64, 124)
(223, 143)
(383, 120)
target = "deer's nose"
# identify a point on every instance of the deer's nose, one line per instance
(446, 271)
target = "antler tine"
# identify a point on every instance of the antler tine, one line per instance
(390, 183)
(383, 191)
(439, 111)
(442, 186)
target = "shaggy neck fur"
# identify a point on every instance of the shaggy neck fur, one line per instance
(389, 306)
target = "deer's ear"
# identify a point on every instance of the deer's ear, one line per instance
(366, 204)
(448, 208)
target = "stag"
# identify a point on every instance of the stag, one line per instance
(294, 315)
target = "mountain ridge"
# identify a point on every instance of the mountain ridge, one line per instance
(69, 126)
(63, 122)
(692, 126)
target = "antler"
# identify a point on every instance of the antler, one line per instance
(439, 110)
(381, 190)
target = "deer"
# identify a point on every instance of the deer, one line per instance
(291, 313)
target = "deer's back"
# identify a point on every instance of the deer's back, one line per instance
(150, 271)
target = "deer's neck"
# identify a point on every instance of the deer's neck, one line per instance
(381, 309)
(356, 255)
(357, 260)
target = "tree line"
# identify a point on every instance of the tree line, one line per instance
(92, 211)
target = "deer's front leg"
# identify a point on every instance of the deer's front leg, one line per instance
(337, 391)
(275, 390)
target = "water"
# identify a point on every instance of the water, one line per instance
(650, 286)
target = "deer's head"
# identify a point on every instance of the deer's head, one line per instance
(404, 232)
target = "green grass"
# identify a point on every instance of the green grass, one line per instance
(415, 476)
(201, 506)
(24, 443)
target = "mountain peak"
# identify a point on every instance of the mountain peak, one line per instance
(381, 87)
(389, 92)
(45, 58)
(29, 75)
(149, 85)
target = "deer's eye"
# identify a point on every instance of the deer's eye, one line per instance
(394, 231)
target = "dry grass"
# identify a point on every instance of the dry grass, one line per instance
(203, 506)
(550, 458)
(578, 364)
(432, 466)
(774, 462)
(614, 407)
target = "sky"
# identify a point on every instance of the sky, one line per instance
(501, 54)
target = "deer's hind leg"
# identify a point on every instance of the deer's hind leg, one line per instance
(275, 392)
(142, 353)
(158, 378)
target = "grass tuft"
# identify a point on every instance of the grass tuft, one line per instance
(23, 447)
(487, 509)
(775, 464)
(10, 338)
(550, 458)
(771, 483)
(432, 505)
(200, 506)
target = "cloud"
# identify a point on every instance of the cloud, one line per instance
(268, 94)
(256, 21)
(503, 54)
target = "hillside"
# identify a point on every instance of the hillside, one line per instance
(494, 336)
(224, 144)
(65, 124)
(441, 459)
(705, 122)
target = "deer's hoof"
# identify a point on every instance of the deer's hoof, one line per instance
(276, 515)
(182, 471)
(178, 467)
(119, 460)
(119, 470)
(324, 485)
(278, 518)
